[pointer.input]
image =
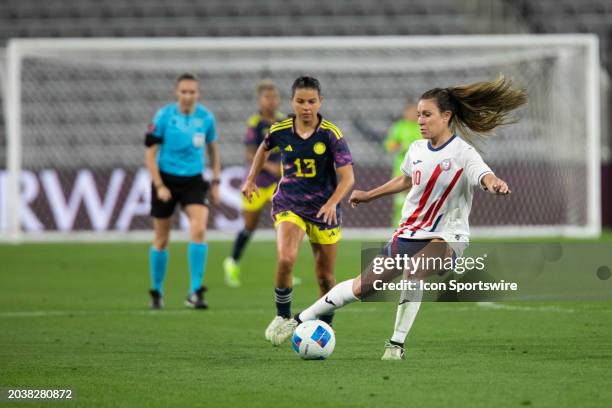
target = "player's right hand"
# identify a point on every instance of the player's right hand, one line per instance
(357, 197)
(248, 188)
(163, 193)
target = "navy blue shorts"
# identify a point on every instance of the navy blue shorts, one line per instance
(410, 247)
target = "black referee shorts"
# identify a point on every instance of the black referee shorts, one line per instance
(184, 190)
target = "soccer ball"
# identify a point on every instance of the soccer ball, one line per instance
(314, 340)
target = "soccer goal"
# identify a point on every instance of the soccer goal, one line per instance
(77, 110)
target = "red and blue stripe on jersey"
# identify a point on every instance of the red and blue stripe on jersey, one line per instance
(434, 207)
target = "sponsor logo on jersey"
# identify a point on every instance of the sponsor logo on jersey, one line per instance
(414, 163)
(445, 164)
(319, 148)
(288, 148)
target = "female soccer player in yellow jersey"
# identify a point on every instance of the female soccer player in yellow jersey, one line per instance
(314, 154)
(258, 127)
(440, 173)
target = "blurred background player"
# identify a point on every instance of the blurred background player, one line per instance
(175, 159)
(401, 134)
(258, 126)
(440, 173)
(313, 155)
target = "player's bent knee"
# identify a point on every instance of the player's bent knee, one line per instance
(286, 261)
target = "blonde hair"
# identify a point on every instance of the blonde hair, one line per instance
(478, 108)
(265, 85)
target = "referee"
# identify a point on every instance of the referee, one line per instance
(175, 144)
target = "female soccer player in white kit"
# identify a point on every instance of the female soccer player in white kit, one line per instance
(440, 171)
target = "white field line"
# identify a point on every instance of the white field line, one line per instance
(464, 307)
(156, 313)
(500, 306)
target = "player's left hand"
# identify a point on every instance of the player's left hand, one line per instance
(214, 194)
(328, 212)
(499, 187)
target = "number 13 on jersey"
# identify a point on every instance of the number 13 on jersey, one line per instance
(308, 165)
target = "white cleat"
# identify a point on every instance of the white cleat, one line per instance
(283, 332)
(274, 324)
(393, 352)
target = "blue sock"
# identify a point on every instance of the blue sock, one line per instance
(197, 263)
(158, 264)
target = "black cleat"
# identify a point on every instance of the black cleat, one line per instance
(196, 299)
(157, 302)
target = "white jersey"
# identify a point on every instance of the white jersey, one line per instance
(443, 179)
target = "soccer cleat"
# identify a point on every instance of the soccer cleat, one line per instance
(283, 332)
(393, 351)
(196, 300)
(274, 324)
(156, 300)
(232, 272)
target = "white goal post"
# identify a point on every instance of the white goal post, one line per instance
(76, 110)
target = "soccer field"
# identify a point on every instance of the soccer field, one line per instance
(74, 316)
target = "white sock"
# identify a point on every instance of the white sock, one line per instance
(338, 296)
(410, 302)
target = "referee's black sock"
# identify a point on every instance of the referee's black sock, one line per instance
(240, 243)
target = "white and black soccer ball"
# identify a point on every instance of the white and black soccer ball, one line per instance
(314, 340)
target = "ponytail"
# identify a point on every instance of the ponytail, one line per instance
(478, 108)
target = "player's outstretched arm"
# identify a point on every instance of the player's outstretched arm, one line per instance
(393, 186)
(347, 179)
(249, 187)
(495, 185)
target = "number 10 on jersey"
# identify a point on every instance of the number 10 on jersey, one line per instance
(308, 165)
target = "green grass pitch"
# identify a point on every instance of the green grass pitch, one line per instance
(75, 316)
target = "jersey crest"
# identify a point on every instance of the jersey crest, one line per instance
(445, 164)
(319, 148)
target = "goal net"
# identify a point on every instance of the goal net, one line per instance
(77, 110)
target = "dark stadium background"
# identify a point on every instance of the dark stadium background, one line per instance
(243, 18)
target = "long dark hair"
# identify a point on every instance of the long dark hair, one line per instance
(478, 108)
